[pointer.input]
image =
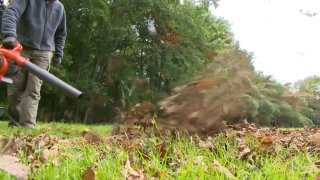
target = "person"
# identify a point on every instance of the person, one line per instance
(40, 27)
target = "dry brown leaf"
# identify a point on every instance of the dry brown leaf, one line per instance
(160, 175)
(11, 165)
(42, 142)
(65, 142)
(317, 163)
(3, 142)
(92, 137)
(162, 149)
(146, 120)
(4, 145)
(245, 153)
(266, 140)
(10, 146)
(51, 153)
(31, 158)
(89, 174)
(132, 174)
(18, 144)
(66, 132)
(198, 159)
(223, 169)
(133, 131)
(125, 143)
(315, 139)
(207, 145)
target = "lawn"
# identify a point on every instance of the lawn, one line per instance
(77, 151)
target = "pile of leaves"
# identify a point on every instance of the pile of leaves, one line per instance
(252, 142)
(271, 140)
(203, 106)
(35, 150)
(228, 92)
(139, 147)
(268, 140)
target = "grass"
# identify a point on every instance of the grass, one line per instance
(57, 129)
(183, 159)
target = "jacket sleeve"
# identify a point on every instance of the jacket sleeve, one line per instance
(11, 16)
(60, 35)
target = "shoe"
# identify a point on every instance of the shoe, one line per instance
(13, 124)
(28, 126)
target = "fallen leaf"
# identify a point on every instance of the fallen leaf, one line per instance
(223, 170)
(133, 131)
(17, 144)
(89, 174)
(10, 146)
(315, 139)
(146, 121)
(51, 153)
(11, 165)
(92, 137)
(265, 141)
(198, 159)
(207, 145)
(42, 143)
(162, 149)
(31, 158)
(4, 143)
(132, 174)
(317, 163)
(160, 175)
(245, 153)
(65, 142)
(66, 132)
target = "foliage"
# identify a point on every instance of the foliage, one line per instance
(308, 89)
(279, 105)
(124, 52)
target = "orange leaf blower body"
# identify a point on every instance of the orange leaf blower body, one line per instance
(7, 57)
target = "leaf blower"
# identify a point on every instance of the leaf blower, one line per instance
(9, 59)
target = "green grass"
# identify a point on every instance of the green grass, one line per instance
(178, 163)
(57, 129)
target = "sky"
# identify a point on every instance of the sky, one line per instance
(284, 35)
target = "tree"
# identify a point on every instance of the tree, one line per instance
(309, 90)
(112, 54)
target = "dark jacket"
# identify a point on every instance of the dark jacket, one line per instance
(38, 24)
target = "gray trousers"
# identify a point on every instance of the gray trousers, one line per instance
(24, 92)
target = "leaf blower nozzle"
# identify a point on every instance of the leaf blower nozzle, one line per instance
(12, 57)
(53, 80)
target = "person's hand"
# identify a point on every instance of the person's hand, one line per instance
(9, 42)
(56, 61)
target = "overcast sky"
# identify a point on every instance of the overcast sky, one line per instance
(284, 35)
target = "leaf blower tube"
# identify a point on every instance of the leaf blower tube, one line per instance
(14, 55)
(53, 80)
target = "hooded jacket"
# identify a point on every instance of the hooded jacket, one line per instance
(38, 24)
